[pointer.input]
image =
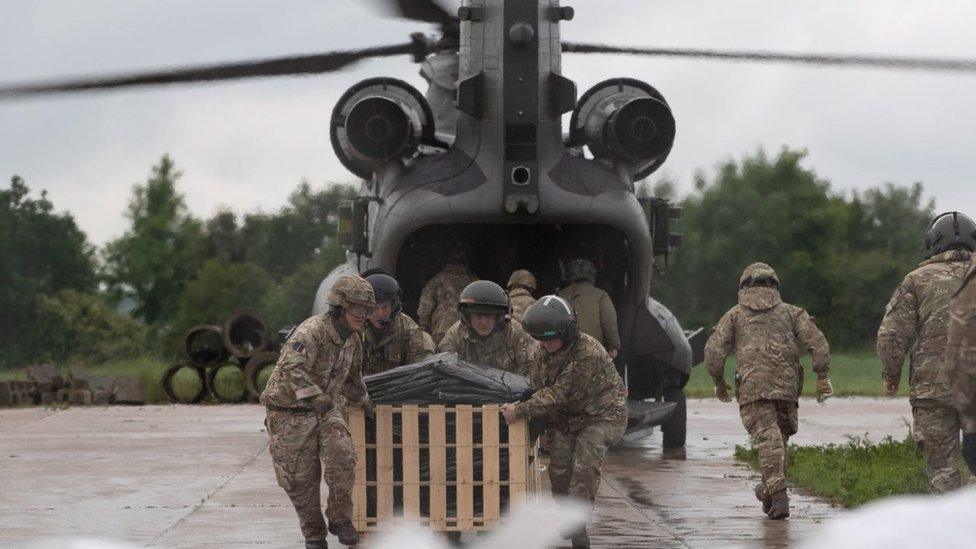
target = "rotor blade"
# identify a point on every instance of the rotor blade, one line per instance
(281, 66)
(428, 11)
(883, 62)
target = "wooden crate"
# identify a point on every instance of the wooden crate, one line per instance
(421, 457)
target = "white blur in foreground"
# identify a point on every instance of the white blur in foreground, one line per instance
(945, 522)
(79, 543)
(534, 525)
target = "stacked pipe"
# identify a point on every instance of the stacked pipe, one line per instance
(243, 342)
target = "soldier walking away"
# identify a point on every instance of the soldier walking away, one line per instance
(437, 310)
(961, 359)
(918, 314)
(762, 331)
(319, 370)
(593, 306)
(391, 337)
(520, 287)
(485, 335)
(577, 388)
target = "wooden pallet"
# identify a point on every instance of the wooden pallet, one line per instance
(417, 463)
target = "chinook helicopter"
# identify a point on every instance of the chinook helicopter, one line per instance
(482, 159)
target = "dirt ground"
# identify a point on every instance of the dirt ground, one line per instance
(197, 476)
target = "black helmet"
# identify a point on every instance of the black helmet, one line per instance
(949, 230)
(385, 288)
(551, 317)
(483, 297)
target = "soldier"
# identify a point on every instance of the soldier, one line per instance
(320, 367)
(520, 287)
(961, 359)
(577, 387)
(391, 338)
(918, 313)
(596, 313)
(437, 310)
(485, 335)
(762, 331)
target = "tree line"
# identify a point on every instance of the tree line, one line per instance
(64, 300)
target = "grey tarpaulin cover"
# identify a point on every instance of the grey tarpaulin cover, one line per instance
(445, 379)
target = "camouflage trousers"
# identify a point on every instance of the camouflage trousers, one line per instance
(770, 424)
(576, 458)
(936, 432)
(305, 447)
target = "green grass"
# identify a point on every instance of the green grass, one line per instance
(854, 473)
(851, 373)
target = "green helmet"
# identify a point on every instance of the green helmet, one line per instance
(352, 293)
(482, 297)
(551, 317)
(756, 272)
(521, 278)
(949, 230)
(581, 269)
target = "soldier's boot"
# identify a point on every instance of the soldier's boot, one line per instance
(316, 544)
(345, 532)
(580, 539)
(766, 499)
(780, 508)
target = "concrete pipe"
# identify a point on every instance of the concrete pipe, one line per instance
(246, 334)
(204, 346)
(168, 384)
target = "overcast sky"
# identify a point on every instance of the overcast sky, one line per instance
(246, 145)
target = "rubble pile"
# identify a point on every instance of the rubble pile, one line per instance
(45, 385)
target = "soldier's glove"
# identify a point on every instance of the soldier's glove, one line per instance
(722, 391)
(824, 390)
(969, 450)
(890, 388)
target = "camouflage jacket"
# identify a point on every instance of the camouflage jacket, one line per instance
(596, 313)
(508, 348)
(521, 300)
(576, 387)
(320, 366)
(918, 313)
(961, 350)
(401, 342)
(763, 332)
(438, 310)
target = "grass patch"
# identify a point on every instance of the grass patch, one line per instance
(854, 373)
(854, 473)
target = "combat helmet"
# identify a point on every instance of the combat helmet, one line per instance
(353, 294)
(521, 278)
(551, 317)
(947, 231)
(483, 297)
(757, 272)
(581, 269)
(385, 289)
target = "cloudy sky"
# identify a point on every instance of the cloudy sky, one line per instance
(246, 145)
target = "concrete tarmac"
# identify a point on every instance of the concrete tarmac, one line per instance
(198, 476)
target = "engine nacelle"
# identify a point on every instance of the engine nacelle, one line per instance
(624, 121)
(378, 121)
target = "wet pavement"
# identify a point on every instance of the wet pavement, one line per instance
(198, 476)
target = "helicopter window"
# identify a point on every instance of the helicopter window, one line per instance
(521, 175)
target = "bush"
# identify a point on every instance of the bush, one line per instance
(82, 328)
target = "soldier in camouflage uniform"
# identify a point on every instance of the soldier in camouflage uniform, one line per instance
(961, 359)
(593, 306)
(485, 335)
(391, 338)
(437, 310)
(918, 313)
(520, 287)
(577, 388)
(762, 331)
(319, 370)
